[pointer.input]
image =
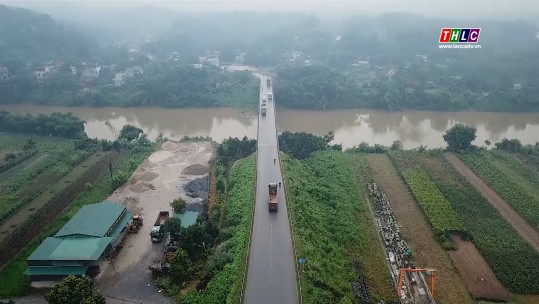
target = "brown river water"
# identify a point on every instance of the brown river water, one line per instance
(413, 128)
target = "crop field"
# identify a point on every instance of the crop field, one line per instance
(514, 262)
(436, 207)
(417, 230)
(13, 272)
(333, 229)
(510, 179)
(227, 264)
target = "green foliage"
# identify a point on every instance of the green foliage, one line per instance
(119, 177)
(364, 147)
(74, 290)
(227, 265)
(439, 212)
(459, 137)
(56, 124)
(174, 226)
(333, 229)
(198, 239)
(130, 133)
(515, 184)
(514, 262)
(396, 145)
(180, 267)
(302, 145)
(178, 205)
(510, 145)
(232, 149)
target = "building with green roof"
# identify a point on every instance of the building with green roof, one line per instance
(89, 236)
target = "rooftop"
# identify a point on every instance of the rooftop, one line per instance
(70, 249)
(93, 220)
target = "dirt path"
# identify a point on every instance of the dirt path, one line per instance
(157, 181)
(449, 286)
(476, 272)
(523, 228)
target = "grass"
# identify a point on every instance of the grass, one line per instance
(227, 264)
(13, 273)
(333, 229)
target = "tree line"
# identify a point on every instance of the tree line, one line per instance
(56, 124)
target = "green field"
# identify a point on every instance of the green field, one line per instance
(13, 272)
(227, 264)
(333, 229)
(514, 262)
(440, 213)
(22, 182)
(516, 184)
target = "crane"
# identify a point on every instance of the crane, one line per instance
(427, 271)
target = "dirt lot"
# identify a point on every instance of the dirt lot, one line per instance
(524, 229)
(449, 286)
(476, 272)
(156, 182)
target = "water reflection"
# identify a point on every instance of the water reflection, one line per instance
(351, 127)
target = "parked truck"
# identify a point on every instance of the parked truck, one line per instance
(273, 197)
(270, 96)
(268, 82)
(158, 229)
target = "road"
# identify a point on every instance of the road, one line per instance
(271, 274)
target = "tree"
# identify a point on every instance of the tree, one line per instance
(174, 226)
(10, 156)
(178, 205)
(396, 145)
(130, 132)
(74, 290)
(459, 137)
(180, 267)
(487, 143)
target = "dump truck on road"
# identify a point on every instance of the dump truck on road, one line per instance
(273, 197)
(158, 229)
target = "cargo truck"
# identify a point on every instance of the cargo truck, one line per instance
(268, 82)
(270, 96)
(273, 197)
(158, 229)
(263, 110)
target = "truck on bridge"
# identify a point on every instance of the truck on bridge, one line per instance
(270, 96)
(158, 229)
(268, 82)
(273, 197)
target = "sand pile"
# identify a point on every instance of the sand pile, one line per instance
(196, 169)
(168, 146)
(148, 176)
(141, 187)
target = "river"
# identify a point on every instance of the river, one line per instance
(413, 128)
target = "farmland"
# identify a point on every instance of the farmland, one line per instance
(436, 207)
(515, 262)
(510, 179)
(333, 229)
(417, 230)
(13, 271)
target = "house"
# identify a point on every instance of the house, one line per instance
(129, 72)
(211, 58)
(517, 86)
(91, 235)
(90, 73)
(47, 67)
(4, 74)
(364, 63)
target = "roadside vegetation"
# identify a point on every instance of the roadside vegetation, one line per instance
(221, 280)
(48, 223)
(333, 230)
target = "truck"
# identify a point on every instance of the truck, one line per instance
(268, 82)
(270, 96)
(158, 229)
(263, 109)
(273, 197)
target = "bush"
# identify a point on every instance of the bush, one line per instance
(178, 205)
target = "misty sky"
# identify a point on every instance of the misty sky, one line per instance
(453, 9)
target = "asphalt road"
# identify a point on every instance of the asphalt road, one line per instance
(271, 276)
